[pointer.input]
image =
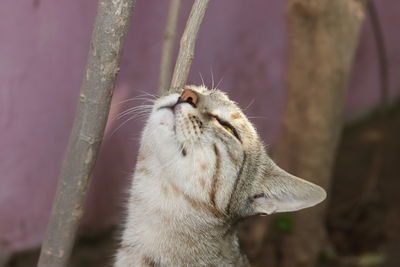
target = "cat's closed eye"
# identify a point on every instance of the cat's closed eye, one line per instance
(227, 126)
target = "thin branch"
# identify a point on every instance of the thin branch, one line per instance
(187, 44)
(108, 36)
(378, 161)
(382, 54)
(168, 46)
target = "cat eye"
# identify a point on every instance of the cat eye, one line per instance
(229, 129)
(227, 126)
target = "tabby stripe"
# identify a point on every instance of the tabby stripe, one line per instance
(193, 124)
(235, 185)
(215, 181)
(149, 262)
(233, 159)
(198, 205)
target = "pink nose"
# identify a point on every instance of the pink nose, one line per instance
(189, 96)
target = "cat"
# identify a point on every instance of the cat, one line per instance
(201, 168)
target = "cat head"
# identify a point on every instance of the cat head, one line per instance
(205, 150)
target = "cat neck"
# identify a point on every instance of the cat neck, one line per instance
(169, 210)
(168, 227)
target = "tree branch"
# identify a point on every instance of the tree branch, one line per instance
(103, 65)
(382, 54)
(168, 46)
(187, 44)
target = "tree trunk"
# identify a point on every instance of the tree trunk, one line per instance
(108, 37)
(323, 36)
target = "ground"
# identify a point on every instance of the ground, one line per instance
(364, 215)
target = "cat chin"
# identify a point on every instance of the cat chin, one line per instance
(164, 120)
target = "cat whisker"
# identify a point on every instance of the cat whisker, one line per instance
(258, 117)
(135, 99)
(202, 80)
(220, 80)
(122, 124)
(212, 78)
(140, 115)
(146, 108)
(135, 113)
(150, 95)
(249, 105)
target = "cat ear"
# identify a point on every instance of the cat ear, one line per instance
(280, 191)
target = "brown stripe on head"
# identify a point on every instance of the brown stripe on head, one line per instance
(236, 115)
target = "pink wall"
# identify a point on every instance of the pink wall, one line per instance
(43, 52)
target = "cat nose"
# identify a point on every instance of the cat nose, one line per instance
(189, 96)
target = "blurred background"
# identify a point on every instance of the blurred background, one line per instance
(247, 49)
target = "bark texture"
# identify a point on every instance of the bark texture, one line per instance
(188, 44)
(108, 36)
(168, 46)
(323, 36)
